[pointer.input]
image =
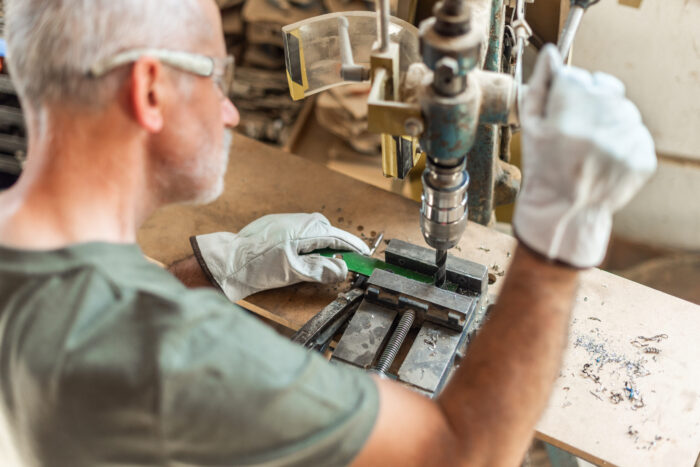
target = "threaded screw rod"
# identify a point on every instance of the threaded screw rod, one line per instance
(441, 263)
(396, 341)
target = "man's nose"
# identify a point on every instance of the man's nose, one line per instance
(230, 114)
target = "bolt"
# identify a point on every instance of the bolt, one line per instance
(447, 68)
(397, 338)
(446, 80)
(413, 126)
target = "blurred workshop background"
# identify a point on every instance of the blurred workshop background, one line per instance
(653, 46)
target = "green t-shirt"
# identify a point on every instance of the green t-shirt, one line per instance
(106, 359)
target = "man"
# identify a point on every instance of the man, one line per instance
(108, 360)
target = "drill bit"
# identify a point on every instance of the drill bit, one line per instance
(441, 263)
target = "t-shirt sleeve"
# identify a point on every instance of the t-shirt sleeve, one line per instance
(234, 392)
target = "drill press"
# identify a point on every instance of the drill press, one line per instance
(451, 107)
(429, 95)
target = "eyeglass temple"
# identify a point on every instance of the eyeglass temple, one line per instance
(198, 64)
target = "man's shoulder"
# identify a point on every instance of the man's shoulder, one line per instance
(93, 301)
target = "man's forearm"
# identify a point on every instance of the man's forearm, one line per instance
(503, 385)
(190, 273)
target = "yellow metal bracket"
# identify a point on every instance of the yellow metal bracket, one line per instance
(387, 115)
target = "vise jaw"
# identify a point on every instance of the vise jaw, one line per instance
(440, 321)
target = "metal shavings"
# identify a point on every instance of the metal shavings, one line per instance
(634, 396)
(593, 318)
(657, 338)
(596, 396)
(631, 431)
(431, 342)
(585, 299)
(653, 350)
(601, 357)
(497, 270)
(483, 248)
(649, 445)
(587, 373)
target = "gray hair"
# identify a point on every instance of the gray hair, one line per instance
(51, 44)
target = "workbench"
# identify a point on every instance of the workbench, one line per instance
(629, 389)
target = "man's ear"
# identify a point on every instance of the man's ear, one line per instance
(148, 93)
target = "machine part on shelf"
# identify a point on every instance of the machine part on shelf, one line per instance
(573, 21)
(468, 275)
(444, 204)
(319, 329)
(441, 263)
(395, 342)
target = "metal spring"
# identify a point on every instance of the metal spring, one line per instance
(397, 338)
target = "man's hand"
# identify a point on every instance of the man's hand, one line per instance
(586, 152)
(269, 253)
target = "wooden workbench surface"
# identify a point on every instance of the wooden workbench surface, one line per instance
(637, 402)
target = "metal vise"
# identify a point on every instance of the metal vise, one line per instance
(414, 331)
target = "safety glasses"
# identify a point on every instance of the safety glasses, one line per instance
(218, 69)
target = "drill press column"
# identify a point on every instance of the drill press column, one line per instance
(451, 108)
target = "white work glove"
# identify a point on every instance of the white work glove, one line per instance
(586, 153)
(267, 254)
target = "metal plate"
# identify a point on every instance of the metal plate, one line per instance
(429, 361)
(366, 335)
(435, 304)
(335, 311)
(467, 274)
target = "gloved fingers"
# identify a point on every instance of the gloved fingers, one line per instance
(317, 268)
(609, 84)
(548, 64)
(332, 237)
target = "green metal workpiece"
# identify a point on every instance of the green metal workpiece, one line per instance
(366, 265)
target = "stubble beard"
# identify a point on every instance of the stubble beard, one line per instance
(216, 170)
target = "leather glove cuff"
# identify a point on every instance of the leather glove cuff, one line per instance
(214, 265)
